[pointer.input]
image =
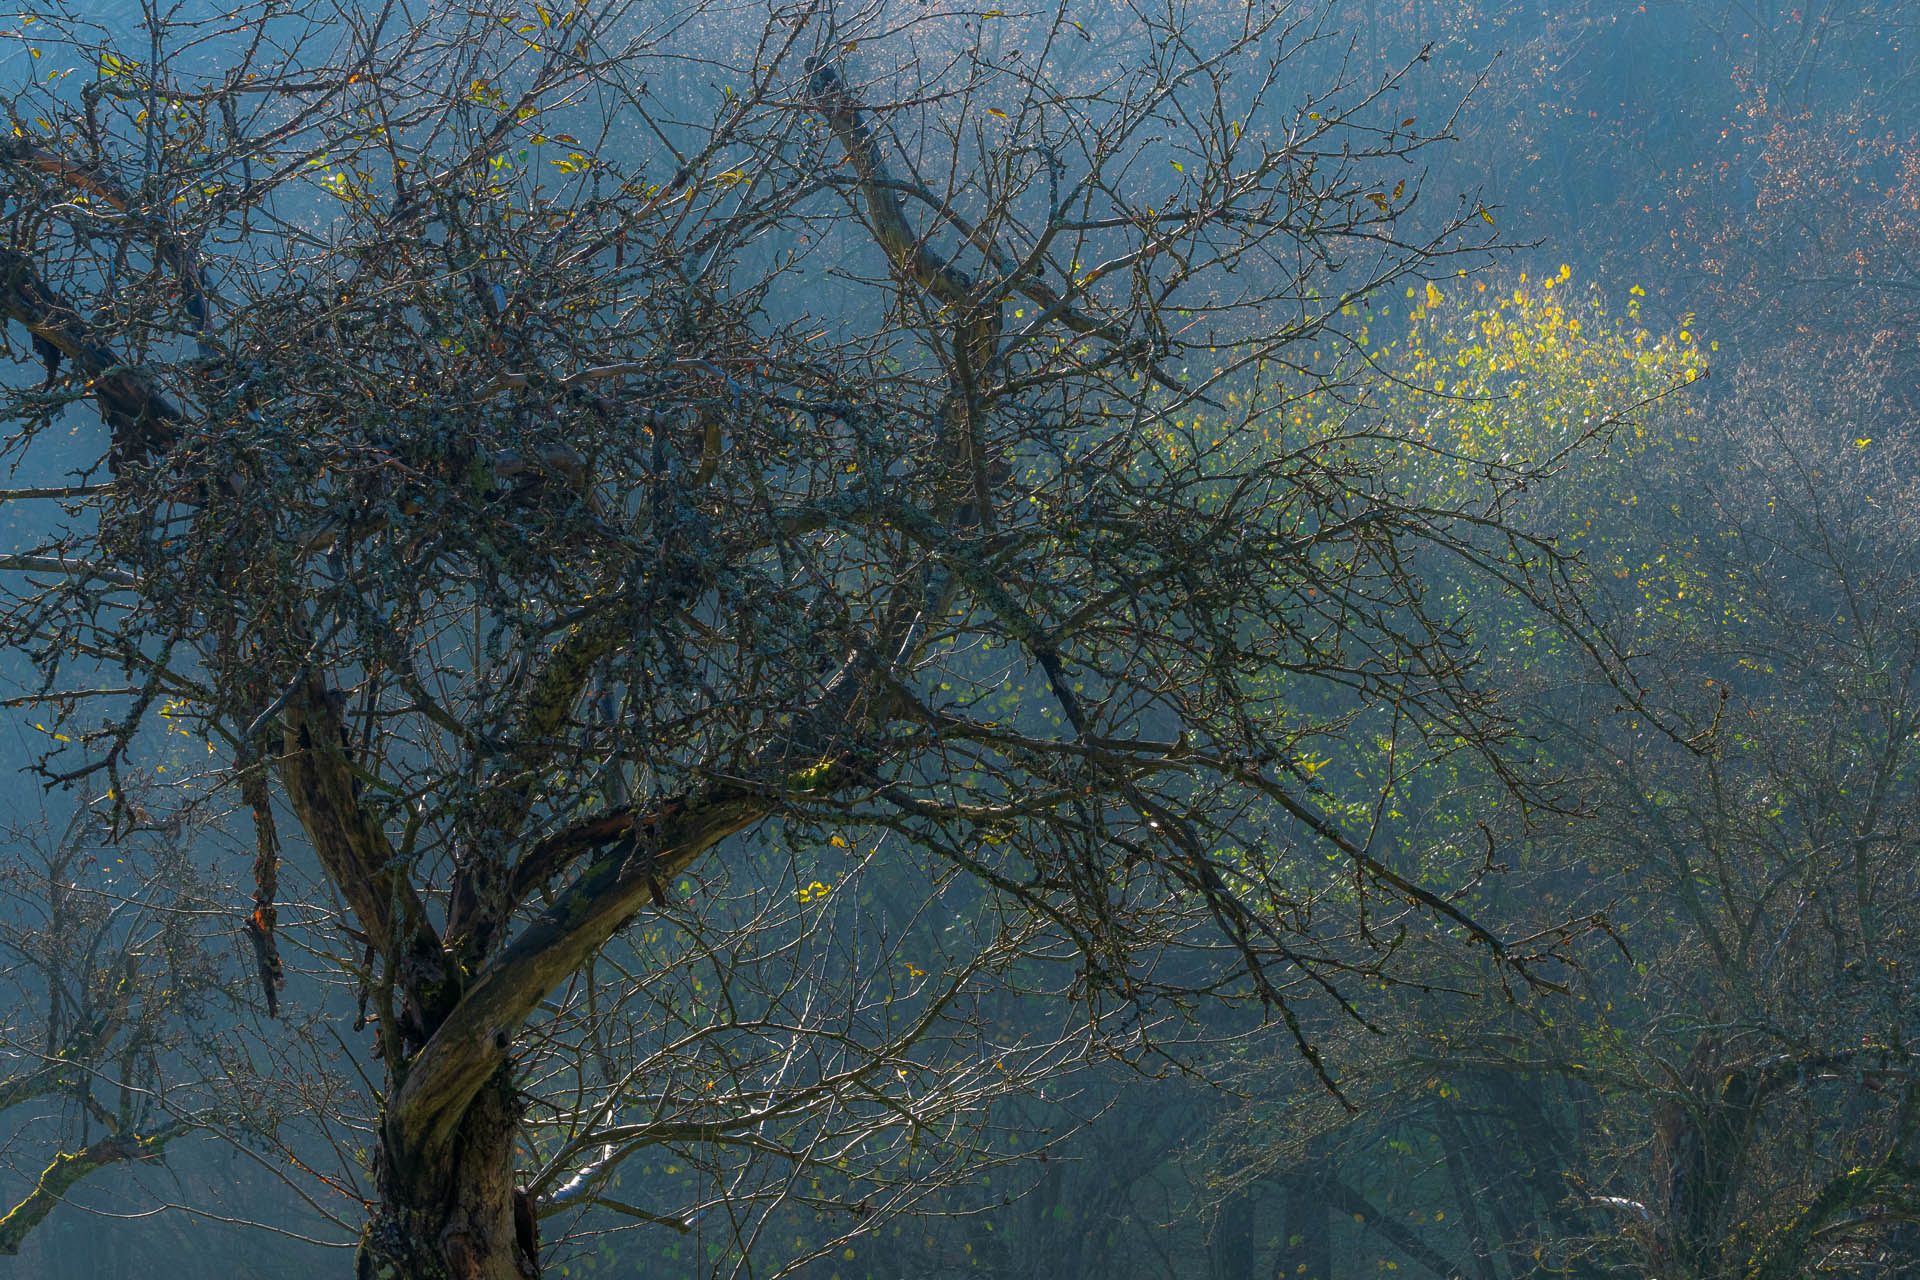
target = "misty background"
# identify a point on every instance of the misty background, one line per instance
(1741, 179)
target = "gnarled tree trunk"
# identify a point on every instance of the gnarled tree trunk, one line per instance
(459, 1218)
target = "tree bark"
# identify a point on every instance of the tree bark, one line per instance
(460, 1218)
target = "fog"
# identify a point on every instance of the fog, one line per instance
(1362, 559)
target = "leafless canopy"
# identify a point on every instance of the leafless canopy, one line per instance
(593, 468)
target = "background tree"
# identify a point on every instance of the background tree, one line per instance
(1729, 1092)
(105, 966)
(1782, 1084)
(1742, 168)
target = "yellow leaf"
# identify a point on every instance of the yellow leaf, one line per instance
(995, 111)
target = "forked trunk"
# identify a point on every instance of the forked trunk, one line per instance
(462, 1219)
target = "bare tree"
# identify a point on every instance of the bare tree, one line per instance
(105, 959)
(743, 548)
(1778, 1083)
(1735, 1094)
